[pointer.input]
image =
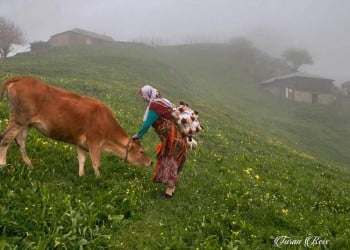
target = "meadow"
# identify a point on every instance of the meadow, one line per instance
(261, 171)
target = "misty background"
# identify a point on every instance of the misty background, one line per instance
(319, 26)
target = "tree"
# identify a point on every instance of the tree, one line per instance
(10, 34)
(244, 50)
(297, 58)
(242, 43)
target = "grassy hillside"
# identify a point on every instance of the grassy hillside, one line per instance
(231, 77)
(255, 176)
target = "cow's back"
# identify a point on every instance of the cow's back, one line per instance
(59, 114)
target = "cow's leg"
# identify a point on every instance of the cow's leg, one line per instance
(8, 136)
(81, 158)
(95, 159)
(21, 141)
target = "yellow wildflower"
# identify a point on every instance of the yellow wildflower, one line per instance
(248, 170)
(285, 211)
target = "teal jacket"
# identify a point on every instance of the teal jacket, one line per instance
(150, 119)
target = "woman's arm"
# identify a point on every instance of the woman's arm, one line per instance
(150, 119)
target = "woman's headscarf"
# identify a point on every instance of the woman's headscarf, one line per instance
(148, 93)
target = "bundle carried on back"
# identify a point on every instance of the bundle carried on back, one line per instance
(187, 120)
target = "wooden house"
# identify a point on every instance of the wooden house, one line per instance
(77, 37)
(301, 87)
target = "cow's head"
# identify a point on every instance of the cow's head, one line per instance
(136, 155)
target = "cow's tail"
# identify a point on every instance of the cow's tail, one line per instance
(5, 85)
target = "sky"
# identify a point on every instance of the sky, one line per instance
(322, 27)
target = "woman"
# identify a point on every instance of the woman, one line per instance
(171, 155)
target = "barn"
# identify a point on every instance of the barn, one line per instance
(78, 37)
(301, 87)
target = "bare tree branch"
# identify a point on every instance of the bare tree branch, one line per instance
(10, 34)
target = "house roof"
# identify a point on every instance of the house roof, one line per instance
(296, 74)
(89, 34)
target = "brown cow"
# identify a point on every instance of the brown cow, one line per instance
(68, 117)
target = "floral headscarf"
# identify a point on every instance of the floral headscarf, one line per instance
(148, 93)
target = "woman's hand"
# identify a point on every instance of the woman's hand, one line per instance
(134, 137)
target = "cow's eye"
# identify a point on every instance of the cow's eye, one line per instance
(141, 151)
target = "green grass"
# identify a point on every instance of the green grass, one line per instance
(261, 169)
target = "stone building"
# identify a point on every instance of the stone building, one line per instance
(301, 87)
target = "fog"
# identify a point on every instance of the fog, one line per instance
(319, 26)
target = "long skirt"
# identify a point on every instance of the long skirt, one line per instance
(171, 155)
